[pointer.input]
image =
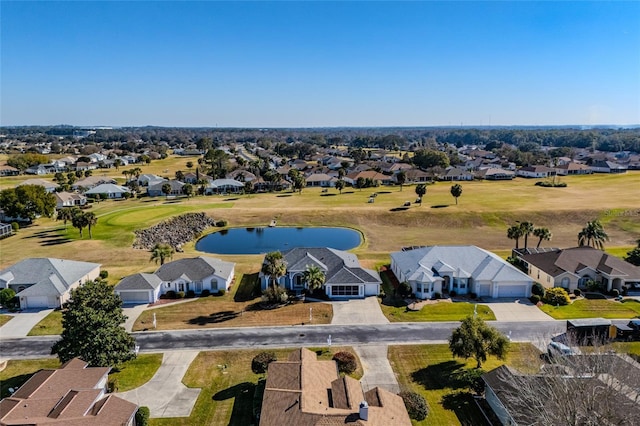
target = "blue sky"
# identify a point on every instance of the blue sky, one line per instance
(310, 64)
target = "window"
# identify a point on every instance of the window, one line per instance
(298, 280)
(180, 286)
(345, 290)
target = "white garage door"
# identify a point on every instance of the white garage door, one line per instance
(485, 290)
(134, 296)
(39, 302)
(512, 291)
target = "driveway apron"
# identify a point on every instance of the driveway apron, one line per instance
(377, 369)
(22, 323)
(358, 311)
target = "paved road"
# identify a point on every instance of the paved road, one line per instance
(294, 336)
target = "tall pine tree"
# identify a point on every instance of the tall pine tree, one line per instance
(92, 327)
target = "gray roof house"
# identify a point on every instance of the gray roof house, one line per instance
(155, 189)
(344, 277)
(46, 282)
(112, 191)
(463, 269)
(196, 274)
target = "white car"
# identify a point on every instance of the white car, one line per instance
(558, 349)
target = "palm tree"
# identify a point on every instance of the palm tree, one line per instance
(314, 277)
(161, 251)
(593, 235)
(91, 220)
(274, 267)
(542, 234)
(515, 233)
(166, 189)
(421, 190)
(65, 214)
(137, 171)
(79, 220)
(527, 229)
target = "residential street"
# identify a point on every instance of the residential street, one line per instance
(294, 336)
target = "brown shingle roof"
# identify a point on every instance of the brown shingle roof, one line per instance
(324, 398)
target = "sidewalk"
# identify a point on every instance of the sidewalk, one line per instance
(164, 394)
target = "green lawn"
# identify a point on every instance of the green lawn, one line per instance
(594, 308)
(51, 324)
(19, 371)
(443, 311)
(137, 372)
(431, 371)
(4, 319)
(228, 387)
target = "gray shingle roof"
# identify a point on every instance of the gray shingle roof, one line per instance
(47, 276)
(195, 269)
(464, 260)
(141, 281)
(340, 267)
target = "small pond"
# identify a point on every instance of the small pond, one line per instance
(264, 240)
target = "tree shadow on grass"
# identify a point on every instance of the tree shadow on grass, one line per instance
(242, 394)
(439, 376)
(284, 195)
(231, 199)
(55, 241)
(465, 408)
(214, 318)
(328, 195)
(398, 209)
(439, 206)
(248, 289)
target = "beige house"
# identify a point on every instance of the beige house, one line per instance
(571, 268)
(303, 391)
(73, 395)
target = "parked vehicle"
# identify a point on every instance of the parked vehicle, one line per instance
(629, 332)
(555, 349)
(590, 331)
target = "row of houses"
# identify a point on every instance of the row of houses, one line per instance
(432, 270)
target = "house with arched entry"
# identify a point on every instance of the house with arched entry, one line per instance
(573, 267)
(459, 269)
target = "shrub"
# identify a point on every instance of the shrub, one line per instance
(437, 295)
(472, 378)
(221, 292)
(537, 289)
(534, 299)
(142, 416)
(104, 274)
(275, 294)
(171, 294)
(416, 405)
(453, 293)
(112, 385)
(346, 362)
(260, 362)
(15, 226)
(473, 295)
(557, 296)
(191, 294)
(6, 297)
(592, 296)
(615, 292)
(180, 295)
(221, 223)
(205, 293)
(593, 286)
(625, 289)
(577, 292)
(382, 294)
(404, 289)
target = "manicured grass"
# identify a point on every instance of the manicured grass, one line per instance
(137, 372)
(51, 324)
(431, 371)
(19, 371)
(228, 386)
(4, 319)
(630, 348)
(443, 311)
(594, 308)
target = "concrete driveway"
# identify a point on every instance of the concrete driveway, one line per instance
(23, 322)
(516, 310)
(132, 312)
(377, 369)
(164, 394)
(358, 311)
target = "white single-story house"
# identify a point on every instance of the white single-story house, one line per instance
(46, 282)
(155, 189)
(91, 182)
(222, 186)
(196, 274)
(69, 199)
(344, 277)
(536, 171)
(321, 179)
(49, 187)
(150, 179)
(112, 191)
(463, 269)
